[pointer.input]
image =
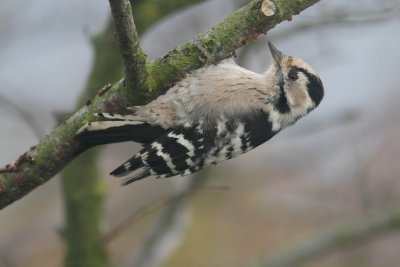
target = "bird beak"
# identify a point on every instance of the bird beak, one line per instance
(276, 54)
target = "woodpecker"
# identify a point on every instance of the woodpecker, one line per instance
(216, 113)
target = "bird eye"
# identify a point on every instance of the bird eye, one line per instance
(292, 75)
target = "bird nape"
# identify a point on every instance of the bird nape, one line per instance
(216, 113)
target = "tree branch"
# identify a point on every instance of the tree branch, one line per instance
(337, 239)
(57, 149)
(133, 56)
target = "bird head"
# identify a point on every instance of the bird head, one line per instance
(298, 86)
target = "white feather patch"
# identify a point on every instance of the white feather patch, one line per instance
(275, 118)
(102, 125)
(117, 117)
(127, 166)
(237, 141)
(221, 125)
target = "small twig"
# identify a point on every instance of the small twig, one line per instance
(133, 56)
(327, 242)
(154, 206)
(337, 17)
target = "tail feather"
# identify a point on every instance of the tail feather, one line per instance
(143, 174)
(129, 166)
(119, 117)
(106, 132)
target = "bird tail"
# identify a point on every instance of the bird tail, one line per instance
(141, 175)
(117, 128)
(129, 166)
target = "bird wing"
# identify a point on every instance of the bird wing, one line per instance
(179, 151)
(185, 150)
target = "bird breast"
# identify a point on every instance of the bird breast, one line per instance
(214, 91)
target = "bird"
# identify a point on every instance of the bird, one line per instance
(215, 113)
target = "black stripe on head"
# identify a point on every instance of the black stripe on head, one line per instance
(281, 104)
(315, 86)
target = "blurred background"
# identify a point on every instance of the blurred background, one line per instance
(337, 168)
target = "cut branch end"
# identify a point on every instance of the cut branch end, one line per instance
(268, 8)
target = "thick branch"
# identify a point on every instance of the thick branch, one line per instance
(337, 239)
(58, 148)
(133, 56)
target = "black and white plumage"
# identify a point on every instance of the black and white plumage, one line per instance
(216, 113)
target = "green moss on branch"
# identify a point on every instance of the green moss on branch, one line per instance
(132, 54)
